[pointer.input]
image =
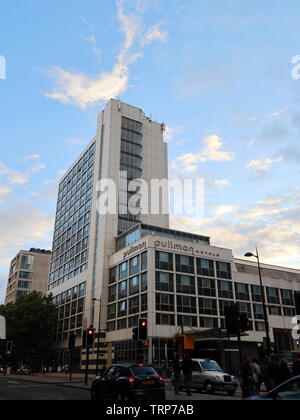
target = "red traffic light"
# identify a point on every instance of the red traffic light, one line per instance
(90, 332)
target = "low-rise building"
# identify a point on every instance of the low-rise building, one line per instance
(29, 271)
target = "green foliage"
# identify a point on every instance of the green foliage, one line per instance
(30, 323)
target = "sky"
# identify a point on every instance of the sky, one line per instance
(221, 75)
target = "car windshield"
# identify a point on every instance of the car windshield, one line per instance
(211, 367)
(143, 371)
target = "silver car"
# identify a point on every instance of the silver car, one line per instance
(208, 376)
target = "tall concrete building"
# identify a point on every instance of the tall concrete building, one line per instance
(140, 268)
(84, 238)
(29, 271)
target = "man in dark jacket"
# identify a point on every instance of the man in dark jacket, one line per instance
(187, 369)
(177, 373)
(296, 366)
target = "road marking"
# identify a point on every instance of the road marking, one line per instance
(12, 382)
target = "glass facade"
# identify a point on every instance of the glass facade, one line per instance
(72, 225)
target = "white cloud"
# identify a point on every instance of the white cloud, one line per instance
(13, 177)
(220, 183)
(263, 165)
(4, 192)
(172, 132)
(32, 157)
(224, 210)
(80, 90)
(155, 33)
(212, 151)
(38, 167)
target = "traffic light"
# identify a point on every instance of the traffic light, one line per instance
(143, 329)
(231, 319)
(135, 334)
(90, 337)
(297, 302)
(244, 323)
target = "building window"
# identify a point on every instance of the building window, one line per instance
(165, 319)
(256, 293)
(112, 294)
(24, 284)
(122, 308)
(134, 285)
(134, 305)
(134, 266)
(164, 282)
(186, 304)
(275, 310)
(113, 275)
(289, 311)
(144, 282)
(133, 321)
(273, 295)
(111, 326)
(210, 323)
(206, 287)
(111, 311)
(122, 324)
(242, 291)
(245, 308)
(164, 261)
(205, 267)
(25, 275)
(225, 289)
(187, 321)
(287, 297)
(144, 302)
(27, 262)
(208, 306)
(165, 302)
(144, 261)
(185, 284)
(123, 271)
(122, 289)
(260, 326)
(184, 264)
(223, 270)
(258, 311)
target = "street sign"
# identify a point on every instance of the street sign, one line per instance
(2, 328)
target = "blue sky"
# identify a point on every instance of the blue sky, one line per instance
(217, 73)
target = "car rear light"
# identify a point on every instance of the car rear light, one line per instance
(131, 380)
(160, 378)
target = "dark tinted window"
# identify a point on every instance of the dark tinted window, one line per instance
(143, 371)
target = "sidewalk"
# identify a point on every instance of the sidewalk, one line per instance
(78, 379)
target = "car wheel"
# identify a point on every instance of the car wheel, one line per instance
(231, 393)
(121, 396)
(209, 388)
(95, 396)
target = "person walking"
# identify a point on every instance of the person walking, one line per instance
(246, 377)
(296, 366)
(177, 374)
(256, 376)
(284, 373)
(187, 370)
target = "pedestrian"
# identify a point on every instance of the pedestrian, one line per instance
(284, 373)
(187, 370)
(256, 376)
(246, 377)
(177, 374)
(296, 366)
(273, 373)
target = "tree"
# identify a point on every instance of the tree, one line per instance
(30, 323)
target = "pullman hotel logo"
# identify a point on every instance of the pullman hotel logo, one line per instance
(183, 248)
(133, 249)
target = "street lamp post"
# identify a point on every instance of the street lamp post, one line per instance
(99, 332)
(249, 254)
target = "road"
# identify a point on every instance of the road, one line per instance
(12, 389)
(22, 389)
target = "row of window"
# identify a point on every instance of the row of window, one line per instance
(127, 307)
(69, 295)
(129, 268)
(124, 323)
(199, 322)
(185, 264)
(128, 287)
